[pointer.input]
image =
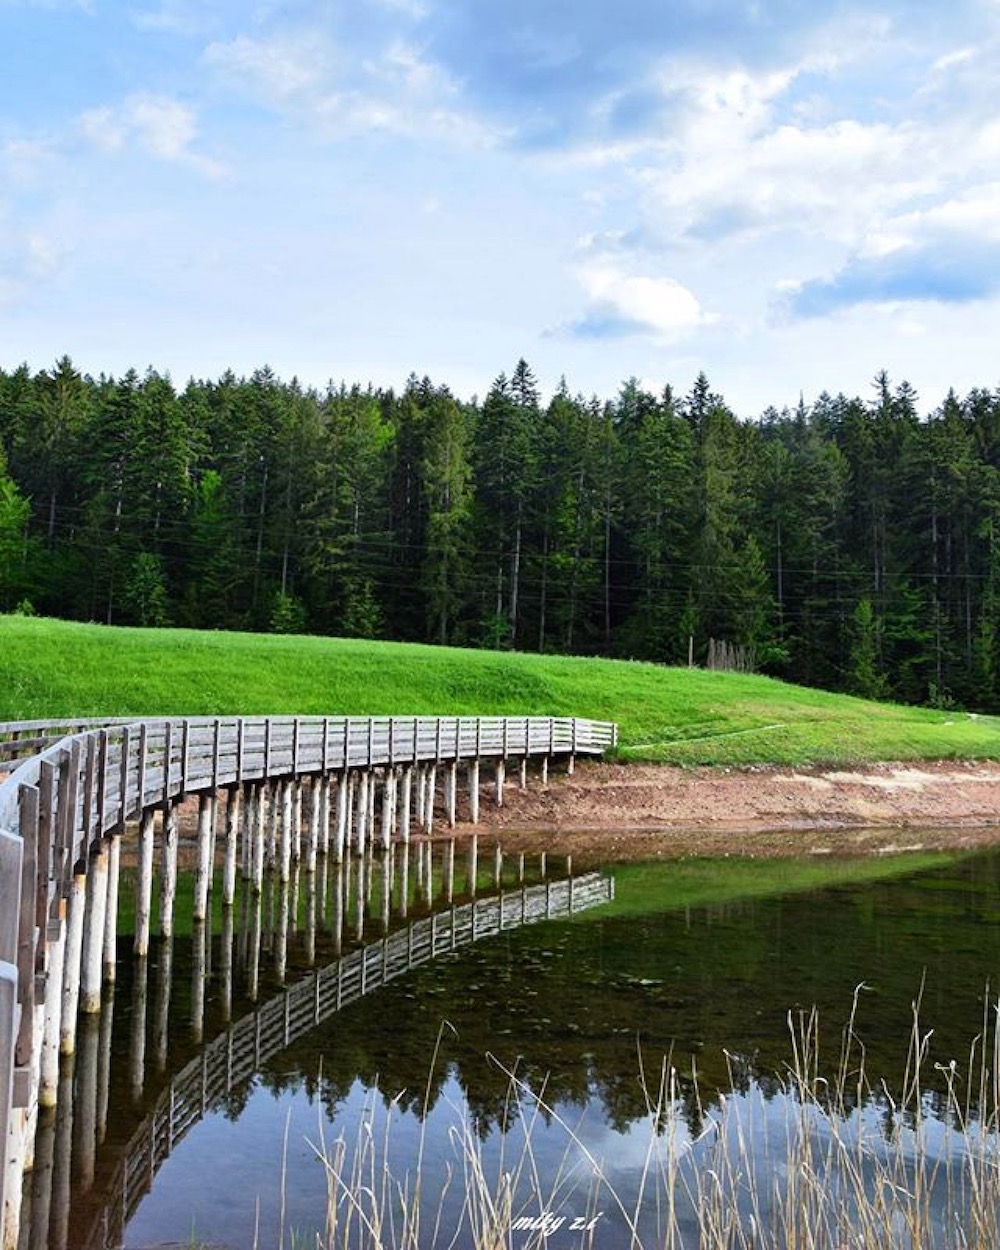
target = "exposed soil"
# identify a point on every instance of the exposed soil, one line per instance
(641, 811)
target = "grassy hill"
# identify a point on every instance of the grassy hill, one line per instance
(683, 716)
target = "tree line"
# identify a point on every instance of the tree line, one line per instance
(852, 544)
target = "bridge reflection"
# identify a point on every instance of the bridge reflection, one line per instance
(270, 969)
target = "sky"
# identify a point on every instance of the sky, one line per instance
(787, 195)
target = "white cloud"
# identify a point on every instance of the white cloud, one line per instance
(951, 60)
(278, 71)
(176, 17)
(396, 90)
(619, 301)
(973, 214)
(157, 124)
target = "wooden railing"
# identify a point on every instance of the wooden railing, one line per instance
(238, 1053)
(65, 807)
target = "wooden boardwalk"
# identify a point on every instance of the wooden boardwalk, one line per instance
(269, 792)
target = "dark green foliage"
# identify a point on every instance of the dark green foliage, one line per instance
(854, 544)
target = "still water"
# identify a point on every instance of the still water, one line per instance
(534, 1055)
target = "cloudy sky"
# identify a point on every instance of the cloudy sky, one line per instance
(787, 194)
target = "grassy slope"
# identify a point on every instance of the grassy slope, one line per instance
(57, 668)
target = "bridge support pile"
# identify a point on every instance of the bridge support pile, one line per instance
(274, 791)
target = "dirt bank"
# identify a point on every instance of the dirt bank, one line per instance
(650, 811)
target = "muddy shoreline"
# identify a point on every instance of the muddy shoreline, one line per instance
(643, 811)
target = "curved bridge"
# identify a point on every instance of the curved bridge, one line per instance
(229, 1060)
(290, 787)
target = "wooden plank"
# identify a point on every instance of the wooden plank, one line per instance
(46, 875)
(97, 830)
(28, 801)
(125, 765)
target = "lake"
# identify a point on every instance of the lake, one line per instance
(591, 1071)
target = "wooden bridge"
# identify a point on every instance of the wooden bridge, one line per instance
(262, 794)
(108, 1175)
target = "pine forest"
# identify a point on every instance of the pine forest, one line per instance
(852, 544)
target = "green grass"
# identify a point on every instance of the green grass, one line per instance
(680, 716)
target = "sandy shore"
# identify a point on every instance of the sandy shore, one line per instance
(646, 811)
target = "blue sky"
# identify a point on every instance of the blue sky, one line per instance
(787, 195)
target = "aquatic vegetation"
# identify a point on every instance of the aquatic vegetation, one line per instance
(797, 1161)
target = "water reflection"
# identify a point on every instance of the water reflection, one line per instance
(200, 982)
(576, 1010)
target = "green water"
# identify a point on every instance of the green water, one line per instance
(573, 1001)
(699, 961)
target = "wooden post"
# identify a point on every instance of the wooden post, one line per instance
(312, 846)
(62, 1178)
(144, 883)
(337, 909)
(429, 805)
(361, 820)
(107, 1020)
(270, 797)
(206, 854)
(404, 881)
(49, 1075)
(85, 1101)
(500, 777)
(76, 908)
(161, 1005)
(198, 970)
(111, 912)
(522, 779)
(498, 866)
(287, 796)
(421, 795)
(405, 803)
(388, 803)
(343, 814)
(372, 810)
(137, 1032)
(474, 790)
(245, 855)
(325, 787)
(310, 932)
(257, 855)
(350, 834)
(232, 832)
(449, 873)
(42, 1176)
(394, 799)
(451, 792)
(93, 930)
(296, 786)
(168, 869)
(359, 902)
(385, 896)
(226, 964)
